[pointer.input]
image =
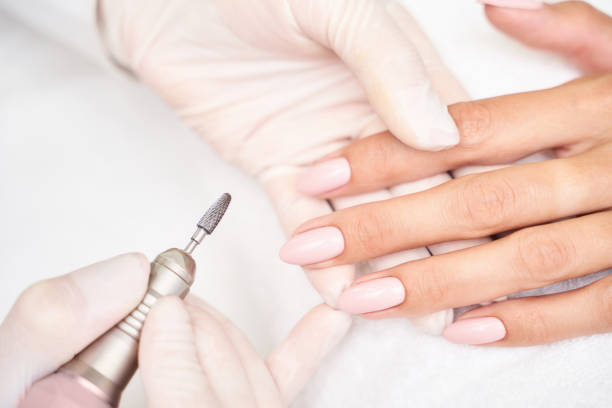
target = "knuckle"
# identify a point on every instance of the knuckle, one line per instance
(485, 204)
(474, 122)
(542, 256)
(369, 232)
(427, 290)
(50, 308)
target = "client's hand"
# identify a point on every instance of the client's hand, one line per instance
(561, 207)
(190, 355)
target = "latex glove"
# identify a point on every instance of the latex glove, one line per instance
(55, 319)
(192, 356)
(275, 85)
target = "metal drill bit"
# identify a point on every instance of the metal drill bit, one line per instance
(208, 222)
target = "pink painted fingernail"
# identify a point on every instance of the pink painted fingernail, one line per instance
(516, 4)
(325, 177)
(313, 246)
(372, 296)
(480, 330)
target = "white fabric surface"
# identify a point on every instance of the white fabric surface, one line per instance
(92, 164)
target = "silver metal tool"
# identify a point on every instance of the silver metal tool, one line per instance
(109, 362)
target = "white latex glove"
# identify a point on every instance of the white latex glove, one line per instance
(192, 356)
(189, 355)
(274, 85)
(54, 319)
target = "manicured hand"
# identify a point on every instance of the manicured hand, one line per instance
(559, 207)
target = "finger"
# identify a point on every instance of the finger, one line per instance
(168, 359)
(469, 207)
(574, 29)
(386, 63)
(220, 360)
(84, 303)
(443, 81)
(302, 352)
(433, 323)
(574, 117)
(531, 258)
(538, 320)
(264, 388)
(293, 209)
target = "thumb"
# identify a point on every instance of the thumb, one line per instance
(574, 29)
(169, 364)
(386, 63)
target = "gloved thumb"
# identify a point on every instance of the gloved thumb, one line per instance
(574, 29)
(386, 63)
(168, 359)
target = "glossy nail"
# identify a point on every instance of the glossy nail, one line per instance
(372, 296)
(313, 246)
(325, 176)
(516, 4)
(480, 330)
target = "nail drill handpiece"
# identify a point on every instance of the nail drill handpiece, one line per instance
(109, 363)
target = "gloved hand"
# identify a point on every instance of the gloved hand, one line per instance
(190, 355)
(275, 85)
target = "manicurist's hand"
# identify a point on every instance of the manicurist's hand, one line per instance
(190, 355)
(54, 319)
(560, 208)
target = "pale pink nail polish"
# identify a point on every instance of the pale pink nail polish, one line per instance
(516, 4)
(479, 330)
(313, 246)
(372, 296)
(325, 176)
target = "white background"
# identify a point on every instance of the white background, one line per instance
(92, 165)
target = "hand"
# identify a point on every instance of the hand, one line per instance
(274, 85)
(89, 301)
(192, 356)
(55, 319)
(575, 119)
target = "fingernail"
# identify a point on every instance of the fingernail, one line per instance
(516, 4)
(479, 330)
(372, 295)
(313, 246)
(325, 176)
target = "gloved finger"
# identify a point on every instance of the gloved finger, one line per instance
(169, 364)
(446, 86)
(365, 37)
(433, 323)
(293, 209)
(84, 303)
(300, 355)
(574, 29)
(264, 387)
(221, 360)
(493, 131)
(537, 320)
